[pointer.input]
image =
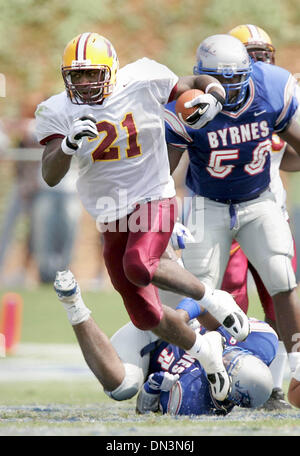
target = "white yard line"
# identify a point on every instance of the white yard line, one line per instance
(44, 362)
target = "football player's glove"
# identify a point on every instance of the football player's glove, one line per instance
(148, 397)
(209, 106)
(180, 235)
(160, 381)
(85, 126)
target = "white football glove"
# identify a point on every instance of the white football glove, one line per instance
(180, 235)
(148, 397)
(209, 107)
(161, 381)
(85, 126)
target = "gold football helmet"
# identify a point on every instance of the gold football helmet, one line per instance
(258, 43)
(89, 68)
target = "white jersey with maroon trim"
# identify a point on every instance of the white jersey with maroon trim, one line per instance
(128, 162)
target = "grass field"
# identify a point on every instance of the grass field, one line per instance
(46, 388)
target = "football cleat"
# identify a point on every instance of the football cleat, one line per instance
(68, 292)
(212, 362)
(66, 287)
(276, 401)
(223, 308)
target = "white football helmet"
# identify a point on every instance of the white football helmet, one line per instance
(252, 380)
(226, 58)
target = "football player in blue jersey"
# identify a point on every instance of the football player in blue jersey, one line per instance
(168, 378)
(178, 385)
(260, 48)
(229, 176)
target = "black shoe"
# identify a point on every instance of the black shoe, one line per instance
(276, 401)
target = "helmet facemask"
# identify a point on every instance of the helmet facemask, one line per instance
(89, 91)
(262, 53)
(225, 58)
(89, 68)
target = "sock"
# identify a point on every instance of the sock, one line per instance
(201, 350)
(277, 366)
(294, 361)
(77, 312)
(198, 346)
(205, 301)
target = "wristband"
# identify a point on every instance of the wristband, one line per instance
(218, 97)
(215, 84)
(67, 147)
(191, 307)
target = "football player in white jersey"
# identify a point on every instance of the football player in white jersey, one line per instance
(112, 121)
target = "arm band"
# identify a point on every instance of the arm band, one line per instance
(67, 147)
(192, 307)
(215, 84)
(218, 97)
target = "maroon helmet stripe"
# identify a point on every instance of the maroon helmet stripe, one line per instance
(77, 45)
(85, 46)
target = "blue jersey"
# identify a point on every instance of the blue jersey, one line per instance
(191, 394)
(230, 156)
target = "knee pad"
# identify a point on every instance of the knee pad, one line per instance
(278, 275)
(130, 385)
(135, 269)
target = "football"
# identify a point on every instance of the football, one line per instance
(189, 95)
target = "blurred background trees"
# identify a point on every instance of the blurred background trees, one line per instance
(33, 33)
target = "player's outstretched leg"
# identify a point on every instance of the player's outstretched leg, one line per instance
(96, 347)
(68, 292)
(220, 304)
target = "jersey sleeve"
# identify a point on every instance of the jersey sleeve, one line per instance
(161, 79)
(49, 124)
(175, 131)
(290, 105)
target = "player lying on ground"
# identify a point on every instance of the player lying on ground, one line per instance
(168, 378)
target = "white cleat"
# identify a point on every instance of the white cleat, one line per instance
(223, 308)
(68, 292)
(211, 360)
(66, 287)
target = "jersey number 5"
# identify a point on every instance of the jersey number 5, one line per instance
(106, 151)
(216, 167)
